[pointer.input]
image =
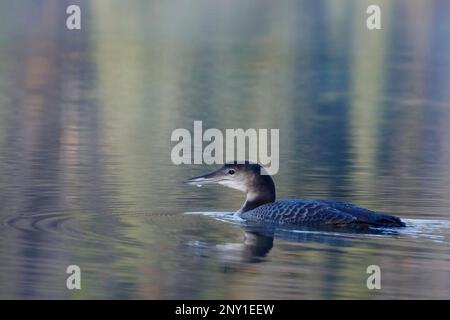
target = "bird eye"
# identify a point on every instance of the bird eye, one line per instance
(231, 171)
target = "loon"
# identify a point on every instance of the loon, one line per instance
(261, 206)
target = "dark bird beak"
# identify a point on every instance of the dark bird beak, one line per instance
(210, 178)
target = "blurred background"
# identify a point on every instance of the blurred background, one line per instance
(86, 118)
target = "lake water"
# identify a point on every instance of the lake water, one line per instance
(86, 176)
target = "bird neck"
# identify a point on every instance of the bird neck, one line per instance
(261, 191)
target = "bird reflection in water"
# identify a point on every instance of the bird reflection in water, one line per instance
(258, 241)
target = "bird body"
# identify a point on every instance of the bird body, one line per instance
(319, 212)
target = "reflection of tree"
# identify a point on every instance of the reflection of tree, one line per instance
(86, 117)
(31, 136)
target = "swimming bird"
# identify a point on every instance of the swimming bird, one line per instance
(261, 204)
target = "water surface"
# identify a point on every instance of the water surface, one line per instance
(85, 124)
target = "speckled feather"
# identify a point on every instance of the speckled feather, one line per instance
(314, 212)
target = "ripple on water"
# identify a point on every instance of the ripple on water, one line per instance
(65, 226)
(225, 216)
(52, 222)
